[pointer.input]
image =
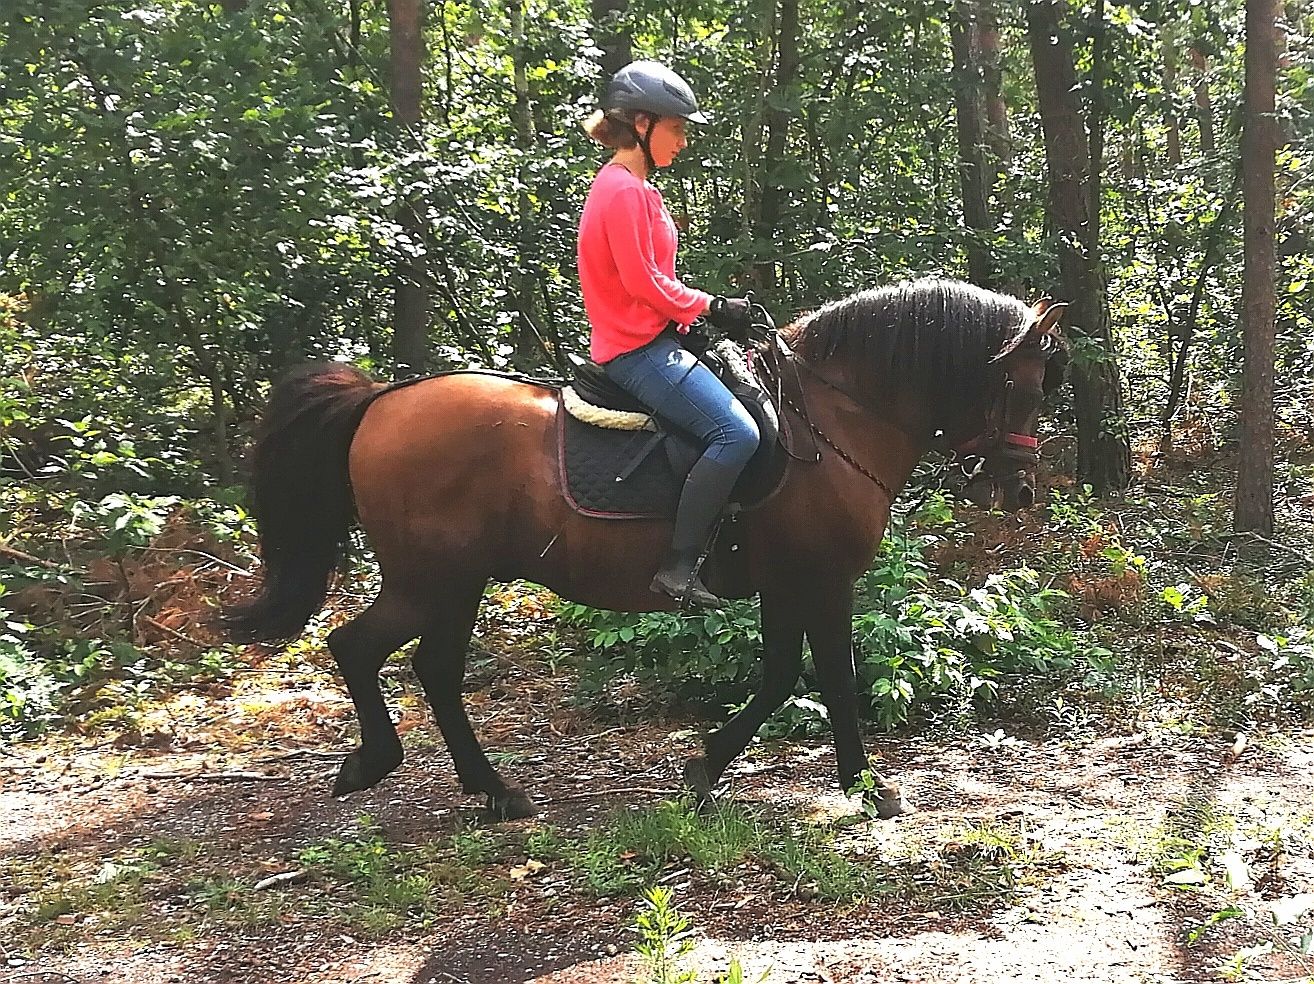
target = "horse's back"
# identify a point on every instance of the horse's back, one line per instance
(449, 463)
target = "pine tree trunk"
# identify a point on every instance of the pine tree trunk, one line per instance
(1103, 448)
(1254, 486)
(997, 134)
(971, 142)
(526, 346)
(1095, 124)
(410, 318)
(779, 114)
(1204, 107)
(1173, 125)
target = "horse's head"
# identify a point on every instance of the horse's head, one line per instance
(1027, 367)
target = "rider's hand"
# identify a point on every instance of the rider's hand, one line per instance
(733, 315)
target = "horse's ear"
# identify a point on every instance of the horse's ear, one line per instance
(1044, 317)
(1047, 318)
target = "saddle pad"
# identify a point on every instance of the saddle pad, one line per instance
(591, 458)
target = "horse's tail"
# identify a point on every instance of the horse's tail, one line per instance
(301, 496)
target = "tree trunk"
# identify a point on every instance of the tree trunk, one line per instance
(611, 37)
(410, 316)
(1254, 485)
(1103, 446)
(751, 149)
(525, 343)
(223, 451)
(971, 143)
(779, 112)
(1170, 62)
(1204, 107)
(997, 134)
(1184, 331)
(1095, 124)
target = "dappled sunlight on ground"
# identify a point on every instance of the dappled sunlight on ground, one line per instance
(1028, 858)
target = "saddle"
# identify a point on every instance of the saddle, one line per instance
(619, 461)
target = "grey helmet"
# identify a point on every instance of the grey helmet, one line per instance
(651, 87)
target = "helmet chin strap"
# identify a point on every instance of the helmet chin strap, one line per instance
(644, 142)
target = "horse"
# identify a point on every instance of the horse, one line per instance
(455, 481)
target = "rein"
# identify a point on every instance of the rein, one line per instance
(779, 348)
(1022, 448)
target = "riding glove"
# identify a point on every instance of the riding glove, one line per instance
(733, 315)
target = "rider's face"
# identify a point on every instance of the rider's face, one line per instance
(667, 140)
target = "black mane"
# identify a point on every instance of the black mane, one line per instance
(930, 331)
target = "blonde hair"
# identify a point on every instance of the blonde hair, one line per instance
(613, 128)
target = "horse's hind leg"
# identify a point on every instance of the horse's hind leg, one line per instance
(361, 647)
(439, 662)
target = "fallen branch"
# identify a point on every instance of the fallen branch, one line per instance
(1306, 558)
(214, 776)
(201, 553)
(175, 633)
(282, 878)
(29, 559)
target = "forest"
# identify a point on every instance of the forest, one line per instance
(1103, 706)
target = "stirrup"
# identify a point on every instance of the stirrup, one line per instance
(690, 594)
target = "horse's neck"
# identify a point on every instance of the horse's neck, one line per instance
(884, 432)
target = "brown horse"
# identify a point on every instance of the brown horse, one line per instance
(455, 480)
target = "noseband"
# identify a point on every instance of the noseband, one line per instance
(1021, 451)
(994, 441)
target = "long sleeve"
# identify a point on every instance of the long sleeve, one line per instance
(629, 227)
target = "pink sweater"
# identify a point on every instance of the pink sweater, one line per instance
(627, 247)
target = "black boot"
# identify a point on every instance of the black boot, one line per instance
(679, 579)
(705, 493)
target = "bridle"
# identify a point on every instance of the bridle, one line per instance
(995, 442)
(1019, 454)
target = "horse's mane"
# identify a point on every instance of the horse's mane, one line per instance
(926, 331)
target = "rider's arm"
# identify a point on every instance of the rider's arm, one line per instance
(630, 235)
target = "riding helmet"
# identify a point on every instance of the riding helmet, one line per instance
(651, 87)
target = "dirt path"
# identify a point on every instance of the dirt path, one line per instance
(1028, 860)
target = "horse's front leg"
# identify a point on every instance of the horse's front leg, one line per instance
(830, 636)
(782, 644)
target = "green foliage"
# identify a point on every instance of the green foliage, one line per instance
(917, 639)
(634, 846)
(663, 938)
(916, 645)
(687, 655)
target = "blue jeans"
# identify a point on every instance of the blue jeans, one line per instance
(667, 379)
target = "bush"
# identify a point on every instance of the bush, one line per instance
(916, 640)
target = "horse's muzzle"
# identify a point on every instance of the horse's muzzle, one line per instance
(1010, 493)
(1019, 493)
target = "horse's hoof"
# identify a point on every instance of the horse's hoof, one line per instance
(699, 781)
(886, 802)
(359, 772)
(514, 804)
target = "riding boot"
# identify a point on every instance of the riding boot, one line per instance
(705, 493)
